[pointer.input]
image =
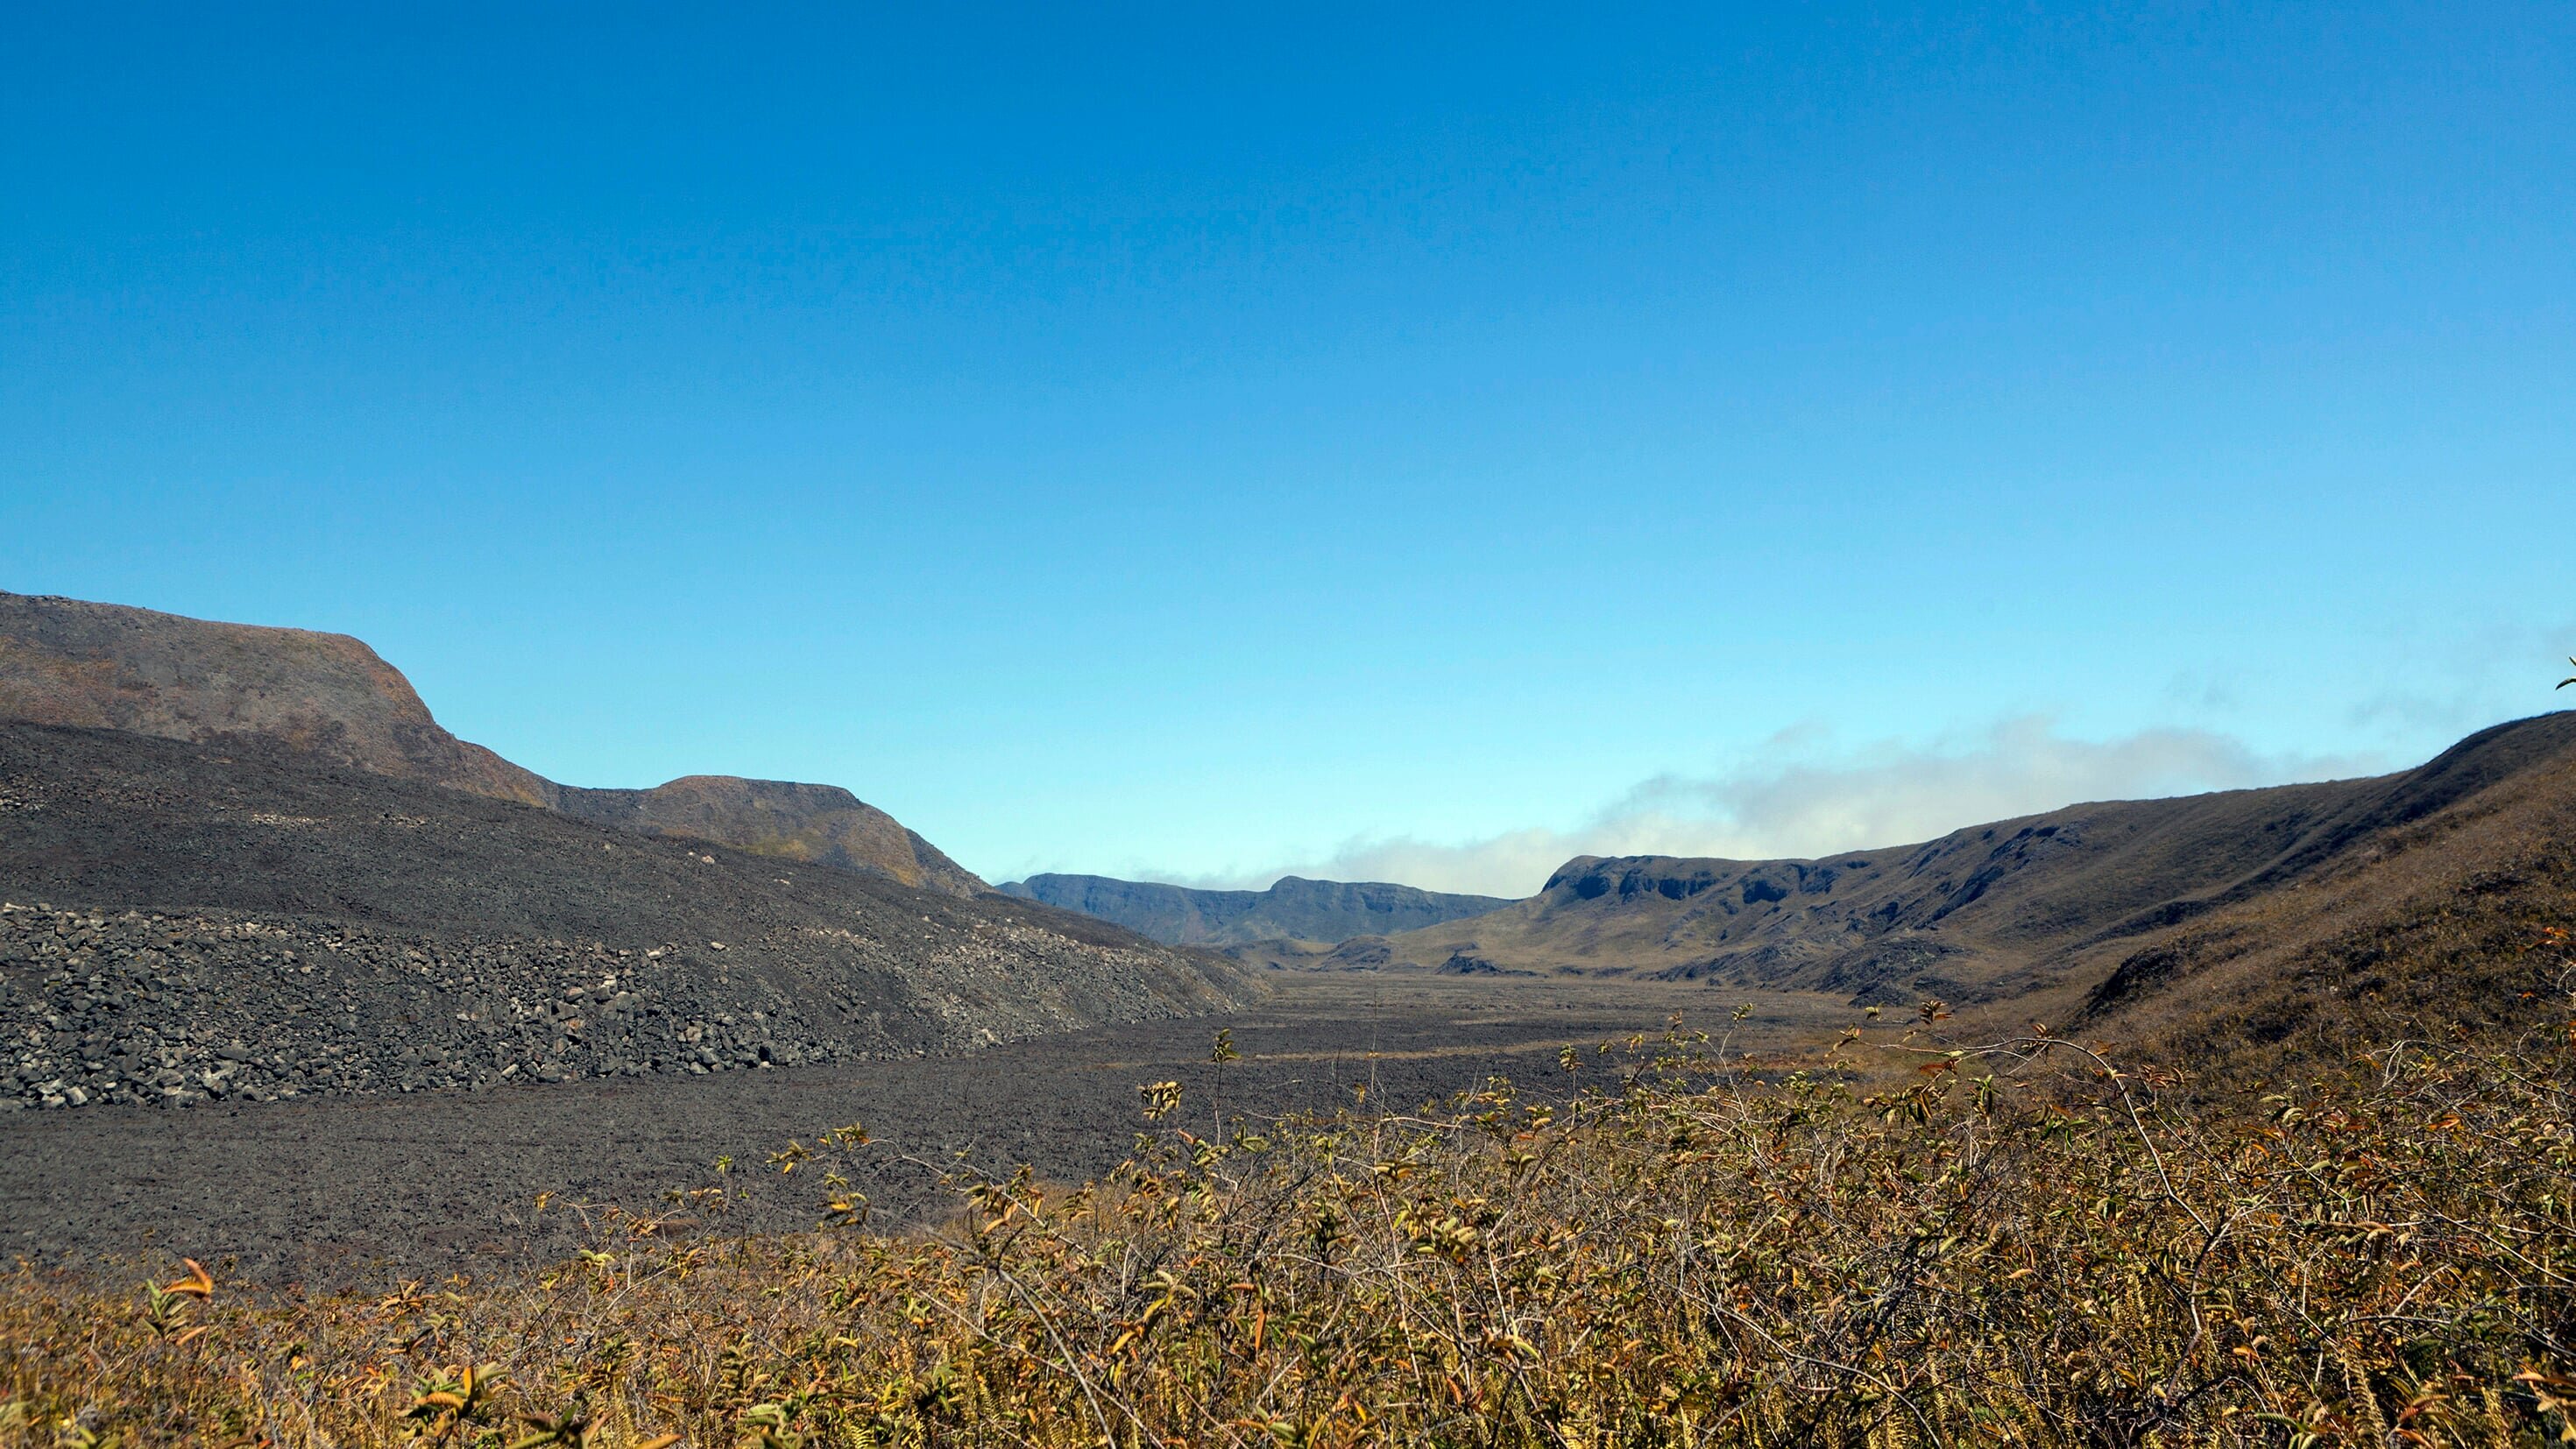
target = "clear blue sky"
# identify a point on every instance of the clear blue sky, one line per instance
(1197, 443)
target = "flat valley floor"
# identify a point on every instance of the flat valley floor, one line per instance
(370, 1190)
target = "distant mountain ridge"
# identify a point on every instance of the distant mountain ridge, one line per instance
(1293, 908)
(331, 698)
(2288, 895)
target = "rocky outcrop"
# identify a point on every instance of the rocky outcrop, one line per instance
(1293, 909)
(330, 699)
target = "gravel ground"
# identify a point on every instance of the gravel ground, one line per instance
(369, 1190)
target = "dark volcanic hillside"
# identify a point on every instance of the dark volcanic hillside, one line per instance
(1292, 909)
(2047, 903)
(184, 919)
(816, 824)
(105, 666)
(329, 698)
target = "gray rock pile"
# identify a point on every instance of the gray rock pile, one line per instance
(181, 921)
(137, 1007)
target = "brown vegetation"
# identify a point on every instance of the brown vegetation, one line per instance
(1909, 1243)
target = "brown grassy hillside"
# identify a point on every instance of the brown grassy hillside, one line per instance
(2447, 919)
(2040, 911)
(1943, 1231)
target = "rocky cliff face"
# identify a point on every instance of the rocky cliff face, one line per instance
(1293, 909)
(329, 698)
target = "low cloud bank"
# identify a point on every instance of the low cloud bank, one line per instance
(1797, 800)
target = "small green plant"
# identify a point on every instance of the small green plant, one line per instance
(454, 1401)
(1218, 1056)
(168, 1307)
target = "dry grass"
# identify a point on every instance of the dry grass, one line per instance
(2014, 1244)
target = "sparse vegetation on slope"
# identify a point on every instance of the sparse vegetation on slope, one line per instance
(2430, 923)
(2032, 913)
(1912, 1245)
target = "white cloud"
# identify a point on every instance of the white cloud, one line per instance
(2470, 679)
(1801, 798)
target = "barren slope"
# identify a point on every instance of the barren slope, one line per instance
(329, 698)
(814, 824)
(235, 911)
(105, 666)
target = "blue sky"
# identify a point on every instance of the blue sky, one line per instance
(1192, 444)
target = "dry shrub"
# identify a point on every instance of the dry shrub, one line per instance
(2016, 1245)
